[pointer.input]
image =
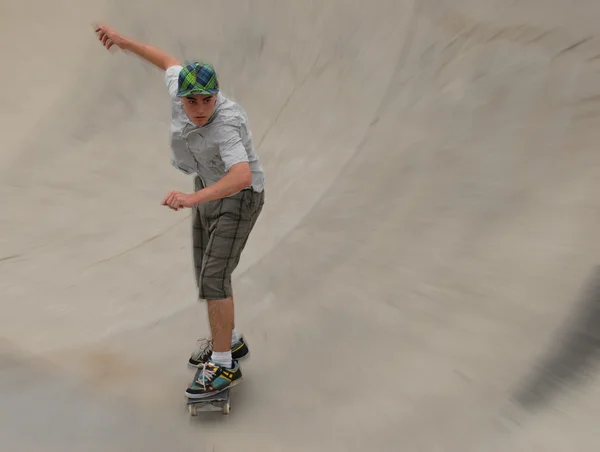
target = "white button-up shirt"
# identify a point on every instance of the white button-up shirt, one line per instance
(211, 150)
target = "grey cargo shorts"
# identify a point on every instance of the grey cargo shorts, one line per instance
(220, 230)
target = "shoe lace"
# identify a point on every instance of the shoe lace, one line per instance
(204, 346)
(207, 374)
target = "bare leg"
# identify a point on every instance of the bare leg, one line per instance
(220, 318)
(232, 312)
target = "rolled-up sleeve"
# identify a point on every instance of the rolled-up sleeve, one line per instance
(231, 147)
(172, 79)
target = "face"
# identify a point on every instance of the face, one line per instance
(199, 107)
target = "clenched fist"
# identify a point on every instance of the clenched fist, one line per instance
(110, 37)
(177, 200)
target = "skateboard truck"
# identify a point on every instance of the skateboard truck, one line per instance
(217, 402)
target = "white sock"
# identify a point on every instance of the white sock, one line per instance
(222, 358)
(235, 336)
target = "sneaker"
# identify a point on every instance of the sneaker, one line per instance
(204, 351)
(211, 379)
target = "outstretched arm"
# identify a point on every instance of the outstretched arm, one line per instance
(157, 57)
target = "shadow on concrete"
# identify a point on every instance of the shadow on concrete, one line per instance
(572, 357)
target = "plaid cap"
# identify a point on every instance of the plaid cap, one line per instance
(197, 78)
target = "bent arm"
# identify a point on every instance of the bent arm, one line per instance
(151, 54)
(236, 179)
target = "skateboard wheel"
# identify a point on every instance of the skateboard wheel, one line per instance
(192, 410)
(226, 408)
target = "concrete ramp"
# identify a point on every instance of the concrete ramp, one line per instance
(423, 277)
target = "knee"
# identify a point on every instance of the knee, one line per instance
(214, 288)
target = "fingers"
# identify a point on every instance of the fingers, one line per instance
(167, 200)
(106, 41)
(173, 200)
(105, 35)
(177, 200)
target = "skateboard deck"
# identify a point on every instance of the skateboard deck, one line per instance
(217, 402)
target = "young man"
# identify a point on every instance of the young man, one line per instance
(211, 138)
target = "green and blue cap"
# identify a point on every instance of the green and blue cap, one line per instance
(197, 78)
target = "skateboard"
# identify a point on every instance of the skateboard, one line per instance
(217, 402)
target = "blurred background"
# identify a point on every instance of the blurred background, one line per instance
(424, 276)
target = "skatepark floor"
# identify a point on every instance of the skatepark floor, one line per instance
(424, 276)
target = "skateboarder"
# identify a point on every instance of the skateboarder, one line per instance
(210, 137)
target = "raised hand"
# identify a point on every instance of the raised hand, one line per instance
(110, 37)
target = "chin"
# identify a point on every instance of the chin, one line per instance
(199, 122)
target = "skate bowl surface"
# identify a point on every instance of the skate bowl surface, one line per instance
(424, 276)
